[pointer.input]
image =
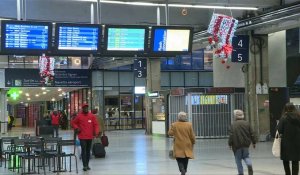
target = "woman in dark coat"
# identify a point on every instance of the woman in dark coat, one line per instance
(289, 129)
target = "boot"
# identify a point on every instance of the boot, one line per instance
(250, 170)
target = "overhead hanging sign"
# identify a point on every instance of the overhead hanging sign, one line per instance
(62, 78)
(240, 53)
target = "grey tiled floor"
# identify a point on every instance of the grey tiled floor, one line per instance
(134, 153)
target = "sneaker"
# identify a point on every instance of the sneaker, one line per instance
(85, 169)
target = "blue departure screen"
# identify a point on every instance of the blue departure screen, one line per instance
(78, 38)
(171, 40)
(126, 39)
(26, 36)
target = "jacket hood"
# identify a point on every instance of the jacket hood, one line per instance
(293, 118)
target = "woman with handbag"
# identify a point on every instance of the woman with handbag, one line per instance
(184, 140)
(289, 130)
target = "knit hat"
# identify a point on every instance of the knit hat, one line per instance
(238, 114)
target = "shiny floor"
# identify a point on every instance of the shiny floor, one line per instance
(134, 153)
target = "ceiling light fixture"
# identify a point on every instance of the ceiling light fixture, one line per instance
(173, 5)
(28, 99)
(44, 93)
(59, 89)
(27, 95)
(43, 88)
(37, 95)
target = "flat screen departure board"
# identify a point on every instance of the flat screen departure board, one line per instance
(169, 39)
(126, 39)
(24, 37)
(77, 38)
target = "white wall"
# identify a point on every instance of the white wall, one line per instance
(296, 101)
(277, 59)
(232, 77)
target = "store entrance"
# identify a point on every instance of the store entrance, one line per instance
(125, 111)
(29, 105)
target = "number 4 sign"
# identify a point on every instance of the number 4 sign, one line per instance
(240, 51)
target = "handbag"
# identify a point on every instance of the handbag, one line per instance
(171, 153)
(276, 145)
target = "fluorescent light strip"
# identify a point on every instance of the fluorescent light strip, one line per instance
(212, 7)
(174, 5)
(132, 3)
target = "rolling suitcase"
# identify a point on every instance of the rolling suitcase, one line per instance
(98, 150)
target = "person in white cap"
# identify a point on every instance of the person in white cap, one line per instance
(241, 136)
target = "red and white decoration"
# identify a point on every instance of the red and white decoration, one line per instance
(46, 65)
(222, 28)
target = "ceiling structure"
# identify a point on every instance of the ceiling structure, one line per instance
(79, 11)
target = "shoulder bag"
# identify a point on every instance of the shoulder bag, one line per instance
(276, 145)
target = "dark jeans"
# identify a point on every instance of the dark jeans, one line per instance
(55, 128)
(295, 167)
(85, 151)
(182, 164)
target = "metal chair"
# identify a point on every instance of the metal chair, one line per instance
(61, 154)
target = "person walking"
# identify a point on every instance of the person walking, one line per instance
(87, 128)
(184, 140)
(289, 130)
(55, 121)
(241, 136)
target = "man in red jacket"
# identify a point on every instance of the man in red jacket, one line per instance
(86, 126)
(55, 121)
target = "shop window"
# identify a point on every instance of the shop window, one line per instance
(16, 61)
(198, 60)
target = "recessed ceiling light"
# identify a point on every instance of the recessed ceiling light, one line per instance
(59, 89)
(44, 93)
(20, 92)
(60, 95)
(21, 102)
(28, 99)
(37, 95)
(27, 94)
(43, 88)
(53, 99)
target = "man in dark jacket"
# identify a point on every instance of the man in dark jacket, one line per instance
(240, 137)
(86, 126)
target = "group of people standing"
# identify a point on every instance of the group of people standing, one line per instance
(241, 136)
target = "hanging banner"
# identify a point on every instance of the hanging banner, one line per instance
(32, 78)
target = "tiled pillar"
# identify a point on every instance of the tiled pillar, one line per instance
(3, 111)
(152, 84)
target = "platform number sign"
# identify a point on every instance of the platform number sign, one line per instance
(240, 52)
(140, 68)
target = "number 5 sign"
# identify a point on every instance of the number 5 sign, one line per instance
(240, 52)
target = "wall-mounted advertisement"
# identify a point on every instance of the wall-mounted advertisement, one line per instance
(62, 78)
(207, 99)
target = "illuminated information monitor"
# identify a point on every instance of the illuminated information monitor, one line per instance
(26, 36)
(126, 39)
(78, 38)
(171, 40)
